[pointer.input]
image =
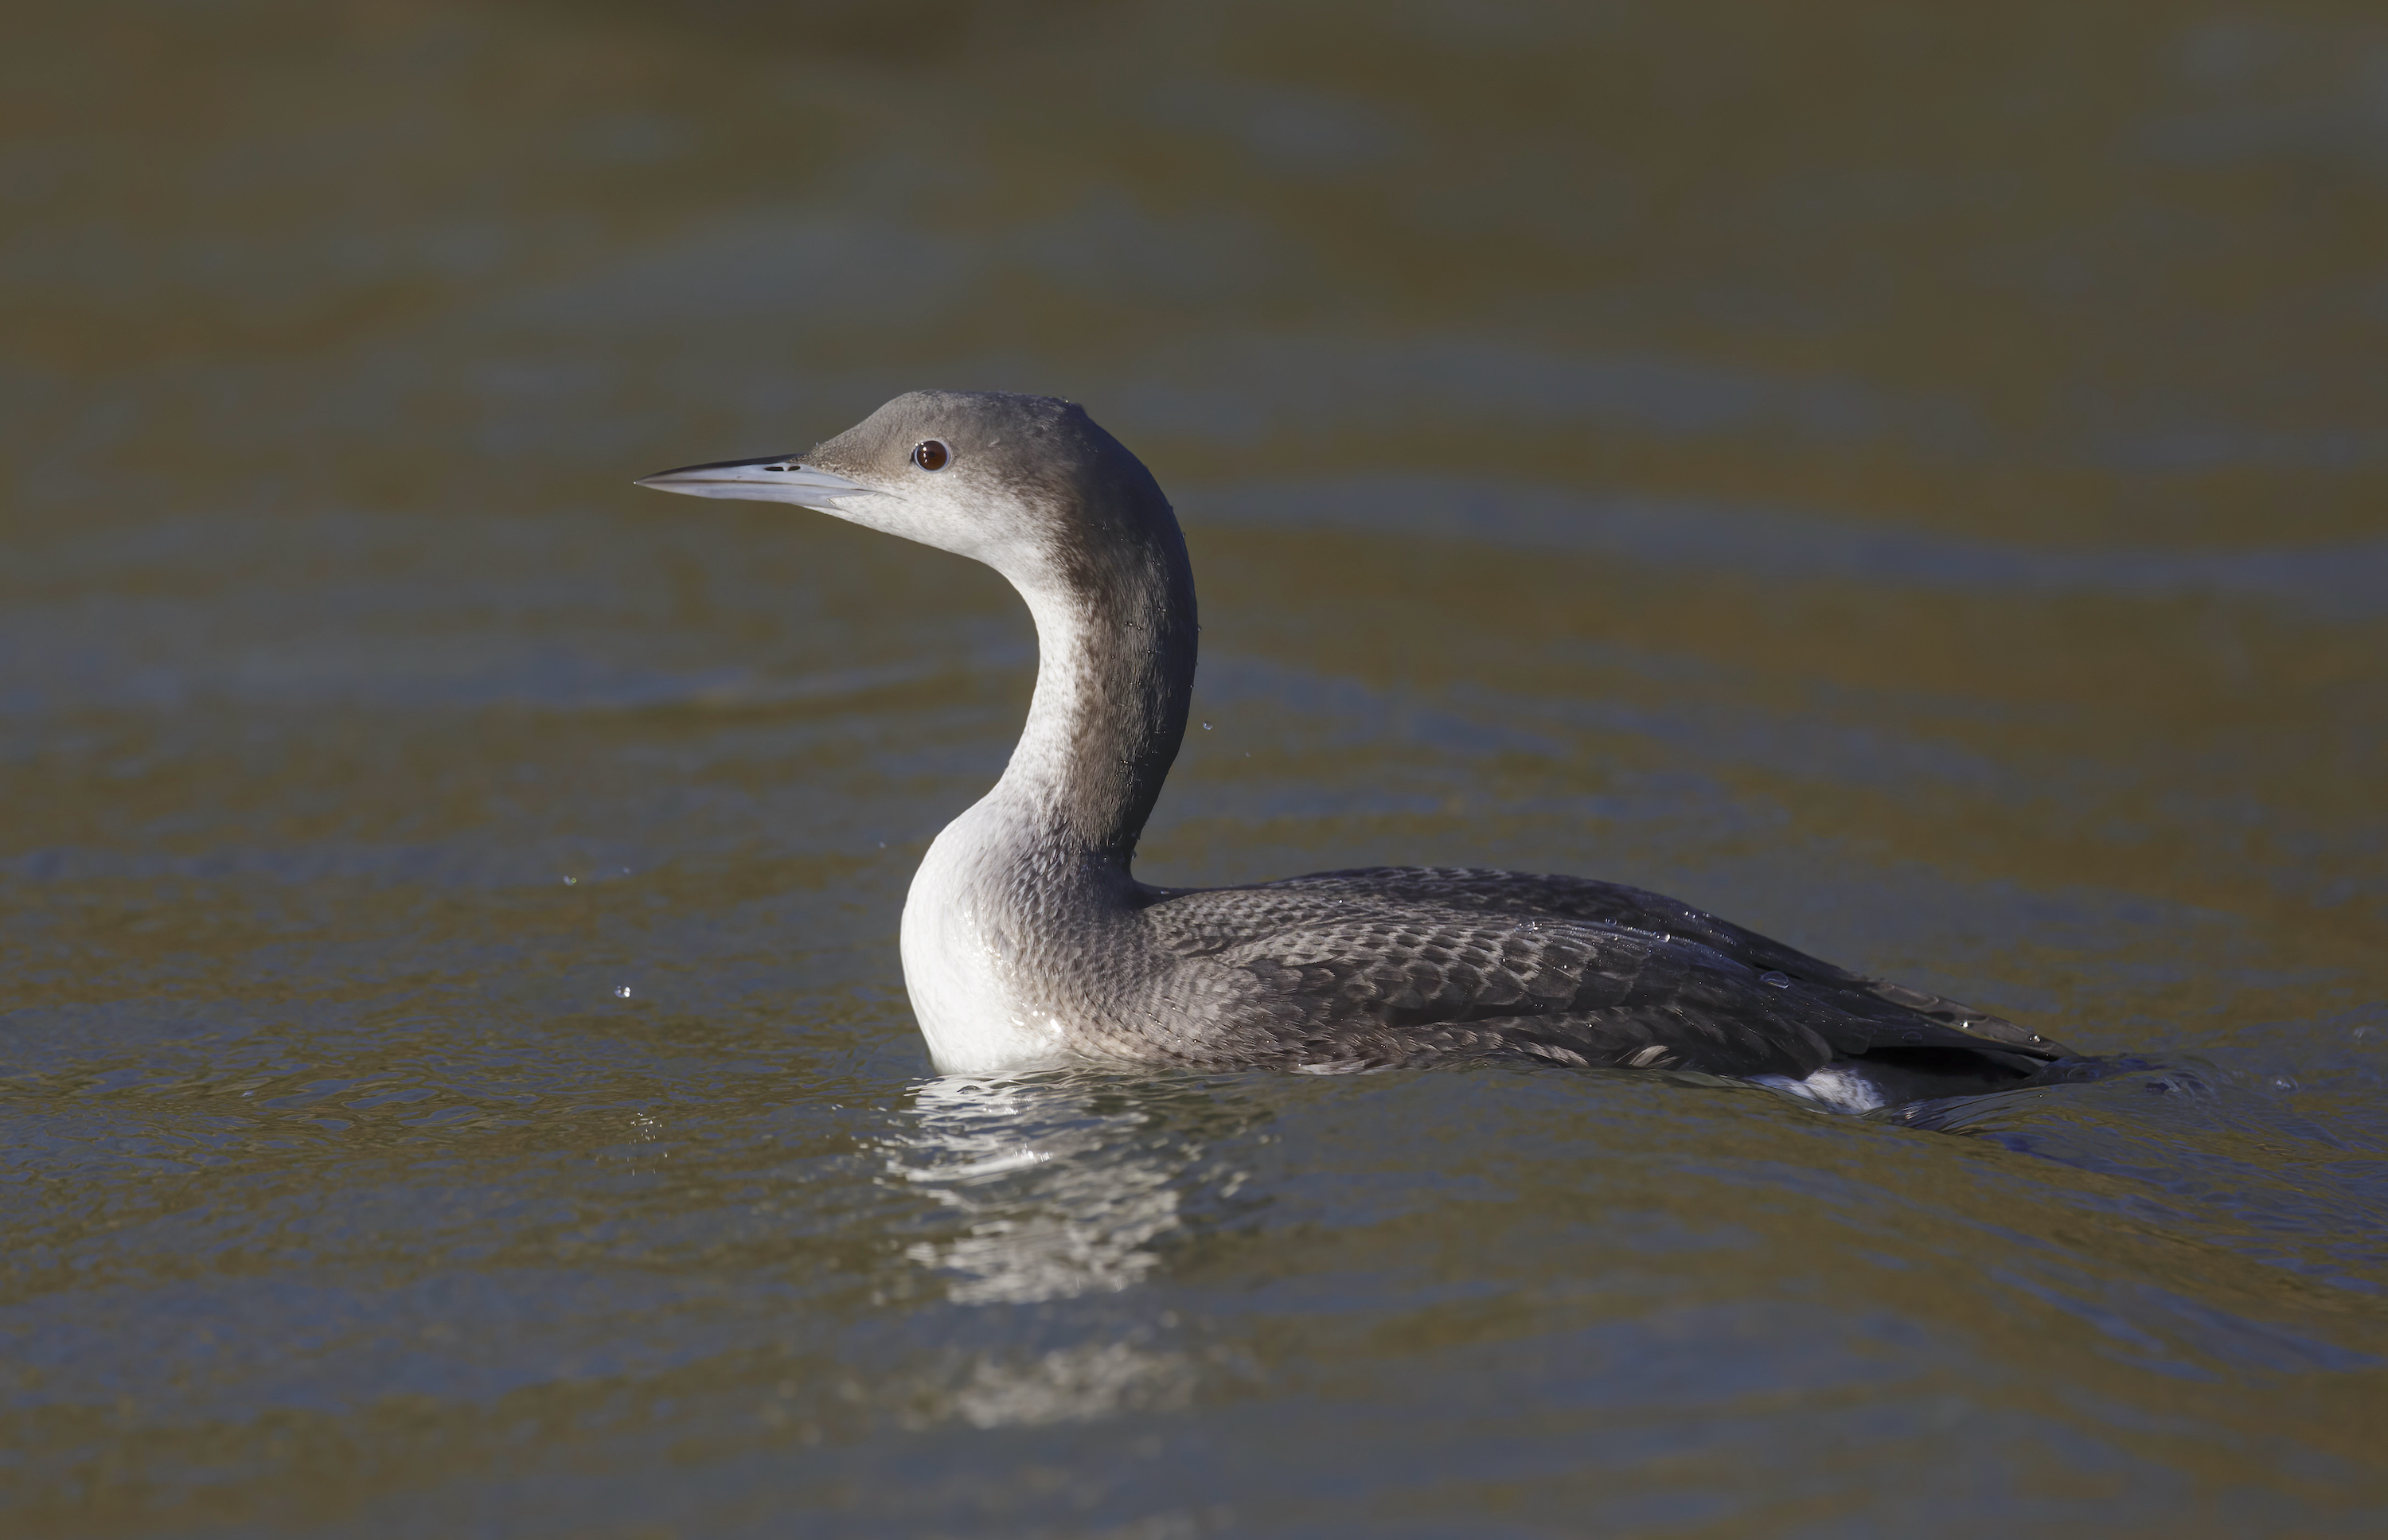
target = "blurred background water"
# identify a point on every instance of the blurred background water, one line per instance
(1914, 479)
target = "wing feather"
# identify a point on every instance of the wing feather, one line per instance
(1387, 965)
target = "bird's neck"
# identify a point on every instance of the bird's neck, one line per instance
(1116, 642)
(1044, 858)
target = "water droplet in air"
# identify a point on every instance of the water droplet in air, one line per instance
(1206, 726)
(623, 990)
(1775, 981)
(570, 880)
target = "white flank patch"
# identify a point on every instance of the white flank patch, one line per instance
(1842, 1087)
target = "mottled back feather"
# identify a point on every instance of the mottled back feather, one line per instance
(1407, 966)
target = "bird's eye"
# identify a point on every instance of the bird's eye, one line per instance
(930, 454)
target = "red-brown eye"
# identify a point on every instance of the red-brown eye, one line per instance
(929, 454)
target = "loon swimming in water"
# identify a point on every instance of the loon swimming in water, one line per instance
(1028, 942)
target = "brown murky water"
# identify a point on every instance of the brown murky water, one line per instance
(1913, 479)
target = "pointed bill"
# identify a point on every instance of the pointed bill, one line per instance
(778, 479)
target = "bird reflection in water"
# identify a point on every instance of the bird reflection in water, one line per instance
(1067, 1185)
(1065, 1182)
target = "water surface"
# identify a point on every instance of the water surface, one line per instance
(1910, 483)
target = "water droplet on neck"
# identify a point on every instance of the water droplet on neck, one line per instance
(1775, 981)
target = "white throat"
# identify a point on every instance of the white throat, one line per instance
(993, 874)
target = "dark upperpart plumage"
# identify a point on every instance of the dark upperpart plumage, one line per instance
(1412, 966)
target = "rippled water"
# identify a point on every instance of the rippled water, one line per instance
(1910, 481)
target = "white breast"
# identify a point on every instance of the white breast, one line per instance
(960, 969)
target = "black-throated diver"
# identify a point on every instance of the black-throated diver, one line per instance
(1027, 941)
